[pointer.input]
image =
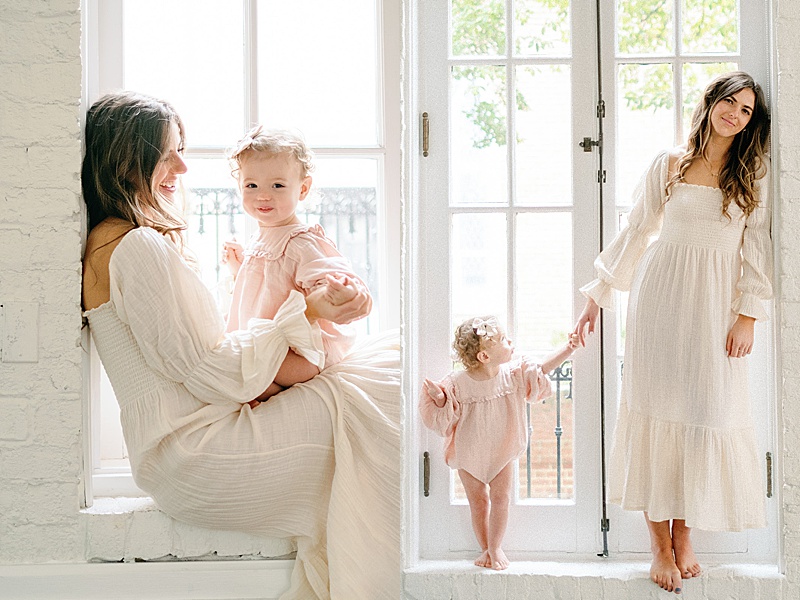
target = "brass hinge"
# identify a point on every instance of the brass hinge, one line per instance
(426, 473)
(769, 474)
(425, 133)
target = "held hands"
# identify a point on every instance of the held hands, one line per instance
(233, 256)
(588, 318)
(318, 306)
(340, 289)
(740, 337)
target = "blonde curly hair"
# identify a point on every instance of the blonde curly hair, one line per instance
(272, 142)
(467, 343)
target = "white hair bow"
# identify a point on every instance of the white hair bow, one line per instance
(485, 327)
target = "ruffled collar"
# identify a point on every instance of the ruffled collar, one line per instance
(271, 242)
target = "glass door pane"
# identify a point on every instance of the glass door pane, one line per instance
(507, 94)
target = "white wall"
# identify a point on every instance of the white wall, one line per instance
(40, 235)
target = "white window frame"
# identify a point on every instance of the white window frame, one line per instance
(420, 262)
(102, 71)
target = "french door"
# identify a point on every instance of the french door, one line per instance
(517, 195)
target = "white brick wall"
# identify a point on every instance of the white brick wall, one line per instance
(40, 403)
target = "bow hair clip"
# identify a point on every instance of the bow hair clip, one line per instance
(485, 327)
(248, 139)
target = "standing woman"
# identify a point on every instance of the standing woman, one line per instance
(317, 464)
(684, 448)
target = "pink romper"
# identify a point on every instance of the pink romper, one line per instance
(483, 422)
(279, 260)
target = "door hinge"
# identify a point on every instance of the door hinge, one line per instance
(605, 525)
(769, 474)
(426, 473)
(601, 176)
(425, 133)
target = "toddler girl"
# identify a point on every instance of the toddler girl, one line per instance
(481, 414)
(273, 171)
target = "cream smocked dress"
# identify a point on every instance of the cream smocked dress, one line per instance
(483, 421)
(684, 445)
(317, 464)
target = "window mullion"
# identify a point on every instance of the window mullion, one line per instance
(250, 46)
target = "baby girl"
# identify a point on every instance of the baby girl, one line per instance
(273, 170)
(481, 414)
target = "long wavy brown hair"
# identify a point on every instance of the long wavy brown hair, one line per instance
(127, 134)
(745, 162)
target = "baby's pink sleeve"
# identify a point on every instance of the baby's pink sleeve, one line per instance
(537, 384)
(440, 419)
(316, 256)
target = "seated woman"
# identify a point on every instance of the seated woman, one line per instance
(209, 456)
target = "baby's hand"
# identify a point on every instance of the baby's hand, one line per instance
(573, 341)
(435, 392)
(233, 256)
(339, 289)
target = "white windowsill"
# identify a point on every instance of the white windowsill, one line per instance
(134, 529)
(603, 579)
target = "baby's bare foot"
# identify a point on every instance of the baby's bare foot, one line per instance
(484, 560)
(685, 558)
(499, 559)
(664, 572)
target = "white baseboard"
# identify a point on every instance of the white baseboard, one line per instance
(200, 580)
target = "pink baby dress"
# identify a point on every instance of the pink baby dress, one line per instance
(483, 422)
(279, 260)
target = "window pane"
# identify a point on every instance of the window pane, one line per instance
(644, 27)
(478, 267)
(214, 215)
(478, 27)
(645, 121)
(318, 70)
(695, 78)
(546, 468)
(543, 281)
(710, 26)
(541, 27)
(344, 200)
(544, 140)
(478, 135)
(173, 50)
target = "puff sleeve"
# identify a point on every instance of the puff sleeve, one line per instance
(316, 256)
(536, 384)
(179, 330)
(440, 420)
(616, 264)
(755, 285)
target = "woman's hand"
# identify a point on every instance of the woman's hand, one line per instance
(319, 307)
(588, 317)
(740, 337)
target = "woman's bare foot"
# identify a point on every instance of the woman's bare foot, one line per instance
(664, 572)
(499, 559)
(685, 558)
(483, 560)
